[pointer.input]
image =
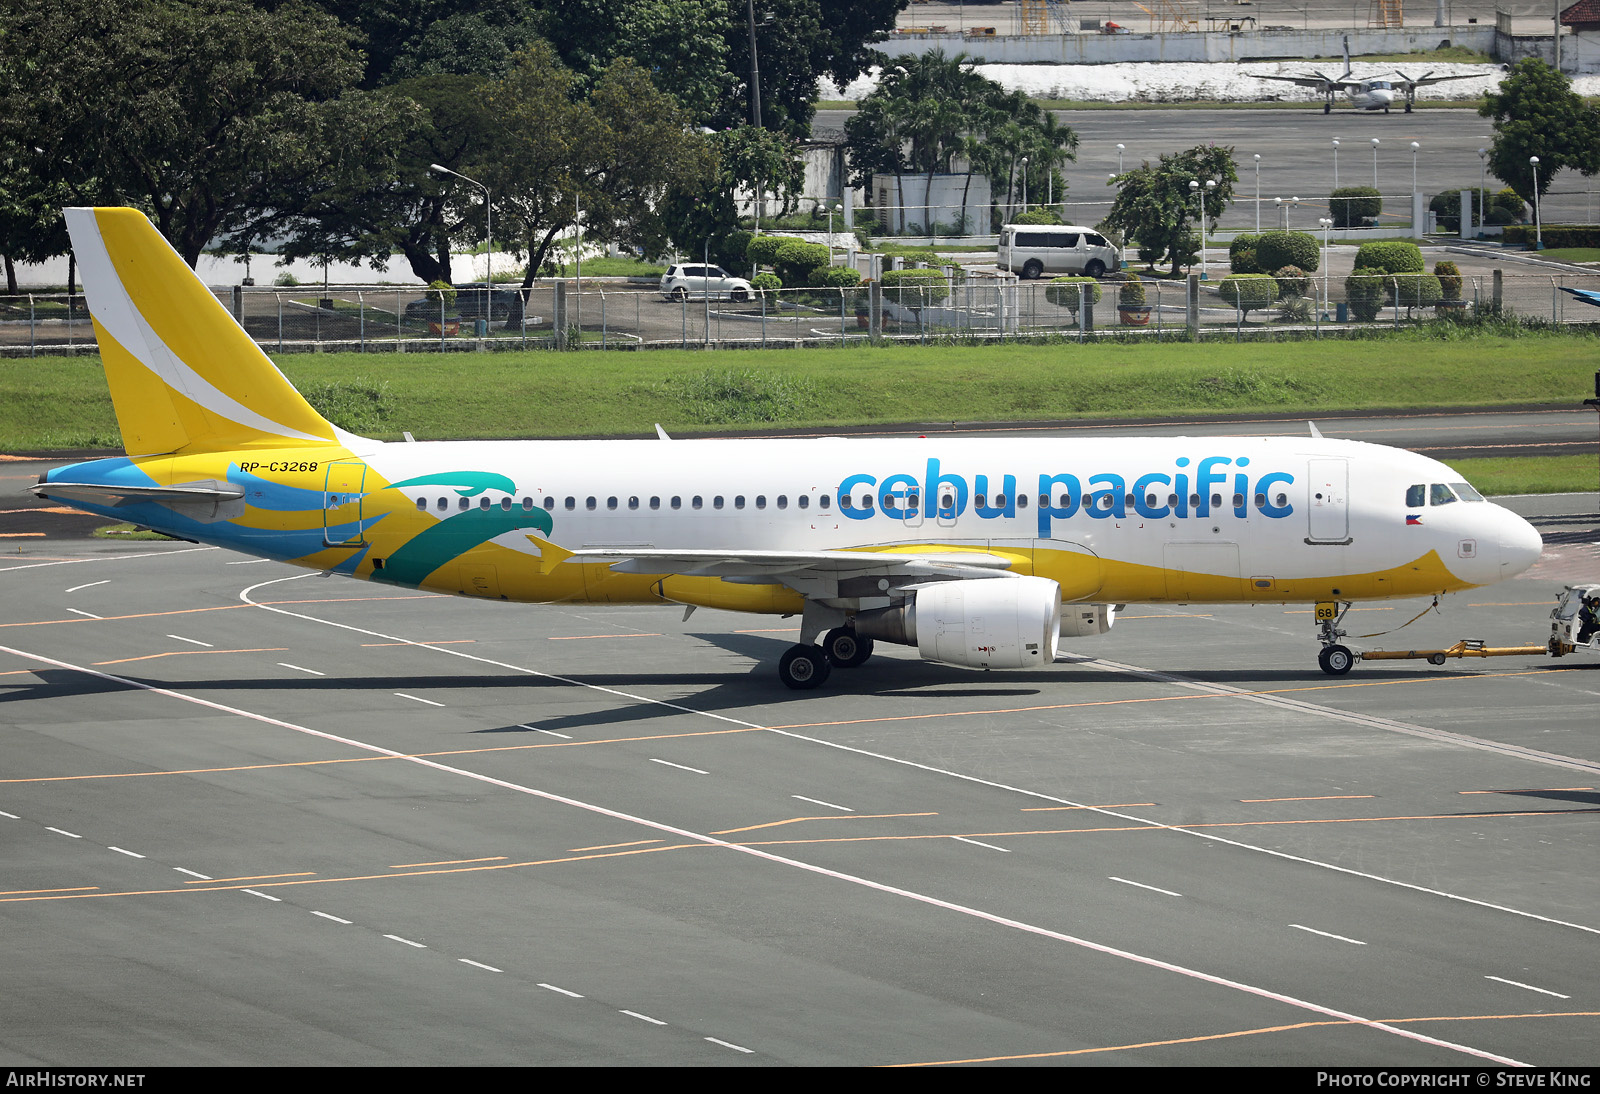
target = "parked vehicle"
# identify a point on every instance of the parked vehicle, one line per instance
(1033, 250)
(697, 281)
(473, 301)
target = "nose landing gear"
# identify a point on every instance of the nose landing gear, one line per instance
(1334, 659)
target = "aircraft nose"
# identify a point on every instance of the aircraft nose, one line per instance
(1520, 544)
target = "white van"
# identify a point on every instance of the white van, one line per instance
(1033, 250)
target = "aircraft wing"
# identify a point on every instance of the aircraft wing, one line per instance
(1424, 81)
(776, 565)
(1305, 81)
(1588, 296)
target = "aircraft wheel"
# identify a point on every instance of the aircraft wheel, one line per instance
(1336, 660)
(1408, 108)
(803, 667)
(1327, 108)
(845, 649)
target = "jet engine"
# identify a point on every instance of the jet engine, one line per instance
(1079, 620)
(998, 623)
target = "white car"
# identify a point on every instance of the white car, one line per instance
(697, 281)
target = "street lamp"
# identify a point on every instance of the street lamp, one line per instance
(1120, 149)
(1483, 183)
(488, 218)
(1336, 163)
(1327, 224)
(1024, 184)
(1194, 188)
(1538, 228)
(1415, 147)
(1258, 193)
(1374, 163)
(831, 210)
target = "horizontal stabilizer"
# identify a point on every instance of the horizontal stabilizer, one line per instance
(208, 500)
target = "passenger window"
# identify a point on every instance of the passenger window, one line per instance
(589, 502)
(572, 503)
(464, 505)
(1440, 494)
(844, 502)
(783, 501)
(761, 501)
(1238, 501)
(505, 505)
(716, 502)
(444, 503)
(738, 501)
(422, 503)
(655, 503)
(1194, 501)
(527, 505)
(483, 503)
(550, 502)
(697, 502)
(866, 501)
(1022, 501)
(803, 501)
(1063, 502)
(1128, 502)
(1216, 501)
(1172, 500)
(823, 502)
(1416, 496)
(611, 503)
(948, 501)
(1282, 500)
(1151, 500)
(1261, 499)
(677, 501)
(978, 499)
(913, 500)
(633, 503)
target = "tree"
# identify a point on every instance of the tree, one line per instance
(613, 154)
(1536, 113)
(200, 112)
(1155, 205)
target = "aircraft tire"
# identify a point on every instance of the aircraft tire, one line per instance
(845, 649)
(803, 667)
(1408, 108)
(1336, 660)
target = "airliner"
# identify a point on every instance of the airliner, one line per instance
(980, 553)
(1365, 94)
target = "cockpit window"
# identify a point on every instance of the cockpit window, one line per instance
(1416, 496)
(1465, 492)
(1440, 494)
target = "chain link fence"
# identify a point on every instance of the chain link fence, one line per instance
(961, 307)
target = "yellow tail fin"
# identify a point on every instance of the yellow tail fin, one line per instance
(184, 376)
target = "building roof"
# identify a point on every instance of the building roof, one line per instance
(1583, 14)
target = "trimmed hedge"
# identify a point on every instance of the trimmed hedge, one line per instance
(835, 277)
(763, 250)
(1131, 294)
(766, 282)
(797, 261)
(1292, 281)
(1449, 275)
(1064, 292)
(1390, 256)
(1419, 290)
(1274, 250)
(1242, 254)
(1248, 292)
(1562, 235)
(1351, 206)
(1364, 291)
(915, 288)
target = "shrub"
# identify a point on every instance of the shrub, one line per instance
(1364, 290)
(440, 292)
(1038, 216)
(1292, 281)
(1242, 254)
(1295, 309)
(1248, 292)
(834, 277)
(763, 250)
(1131, 295)
(797, 260)
(1278, 249)
(1390, 256)
(1150, 254)
(766, 282)
(1510, 201)
(286, 280)
(1351, 206)
(732, 250)
(1449, 276)
(1561, 235)
(1065, 292)
(915, 288)
(1447, 206)
(1410, 291)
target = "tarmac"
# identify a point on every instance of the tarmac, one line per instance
(252, 815)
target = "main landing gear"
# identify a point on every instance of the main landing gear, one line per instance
(805, 667)
(1334, 659)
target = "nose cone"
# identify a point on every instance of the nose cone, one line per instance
(1520, 544)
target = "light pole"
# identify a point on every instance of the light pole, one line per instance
(831, 210)
(1327, 224)
(1258, 193)
(488, 233)
(1483, 182)
(1415, 147)
(1336, 163)
(1120, 149)
(1024, 184)
(1374, 163)
(1538, 227)
(1194, 188)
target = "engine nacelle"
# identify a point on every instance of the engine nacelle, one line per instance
(994, 623)
(1080, 620)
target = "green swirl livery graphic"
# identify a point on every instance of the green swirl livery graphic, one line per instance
(460, 532)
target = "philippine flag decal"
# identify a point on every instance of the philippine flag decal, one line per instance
(1413, 518)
